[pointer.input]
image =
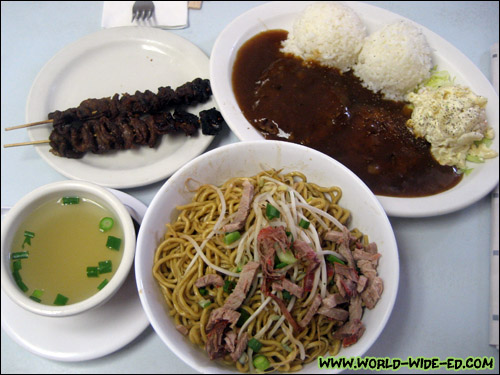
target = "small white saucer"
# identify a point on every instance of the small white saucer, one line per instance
(90, 335)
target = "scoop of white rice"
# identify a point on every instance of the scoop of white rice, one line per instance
(328, 33)
(394, 60)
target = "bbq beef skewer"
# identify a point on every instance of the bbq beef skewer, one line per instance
(103, 134)
(194, 92)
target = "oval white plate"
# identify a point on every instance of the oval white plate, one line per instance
(248, 159)
(119, 60)
(90, 335)
(280, 15)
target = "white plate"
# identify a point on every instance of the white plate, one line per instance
(280, 15)
(119, 60)
(90, 335)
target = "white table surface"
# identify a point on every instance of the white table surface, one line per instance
(442, 306)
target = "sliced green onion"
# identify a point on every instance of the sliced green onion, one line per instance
(254, 344)
(16, 265)
(304, 223)
(19, 281)
(60, 300)
(203, 291)
(272, 212)
(37, 295)
(27, 238)
(229, 286)
(261, 362)
(229, 238)
(286, 295)
(333, 259)
(70, 200)
(281, 265)
(204, 303)
(19, 255)
(102, 284)
(113, 243)
(238, 269)
(244, 315)
(106, 224)
(105, 266)
(92, 272)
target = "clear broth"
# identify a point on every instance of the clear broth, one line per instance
(67, 240)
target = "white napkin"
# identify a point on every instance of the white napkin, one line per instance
(494, 227)
(168, 14)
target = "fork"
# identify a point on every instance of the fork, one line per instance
(143, 10)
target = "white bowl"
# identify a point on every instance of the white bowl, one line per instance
(24, 208)
(281, 15)
(247, 159)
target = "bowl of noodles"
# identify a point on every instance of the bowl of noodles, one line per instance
(266, 256)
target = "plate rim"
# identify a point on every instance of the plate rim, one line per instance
(448, 201)
(191, 147)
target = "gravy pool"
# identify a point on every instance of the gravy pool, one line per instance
(333, 113)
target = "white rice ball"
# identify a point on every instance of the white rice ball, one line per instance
(328, 33)
(394, 60)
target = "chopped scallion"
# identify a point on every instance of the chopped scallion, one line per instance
(27, 238)
(102, 284)
(244, 315)
(16, 265)
(204, 303)
(281, 265)
(203, 291)
(229, 286)
(37, 295)
(333, 259)
(261, 362)
(19, 255)
(19, 281)
(272, 212)
(92, 272)
(70, 200)
(231, 237)
(60, 300)
(113, 243)
(254, 344)
(304, 223)
(105, 266)
(286, 295)
(106, 224)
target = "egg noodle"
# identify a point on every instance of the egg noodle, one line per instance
(194, 246)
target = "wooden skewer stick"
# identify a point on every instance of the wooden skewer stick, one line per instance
(28, 125)
(26, 143)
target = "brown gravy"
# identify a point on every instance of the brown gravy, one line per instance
(318, 107)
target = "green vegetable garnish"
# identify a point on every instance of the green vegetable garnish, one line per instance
(19, 255)
(70, 200)
(92, 272)
(27, 238)
(229, 286)
(474, 158)
(102, 284)
(272, 212)
(203, 291)
(254, 344)
(229, 238)
(19, 281)
(106, 224)
(60, 300)
(105, 266)
(113, 243)
(333, 259)
(261, 362)
(304, 223)
(244, 315)
(204, 303)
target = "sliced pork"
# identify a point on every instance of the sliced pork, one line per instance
(313, 309)
(334, 313)
(270, 239)
(212, 279)
(240, 218)
(241, 345)
(290, 287)
(350, 332)
(222, 314)
(240, 291)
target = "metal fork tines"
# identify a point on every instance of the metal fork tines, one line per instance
(143, 10)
